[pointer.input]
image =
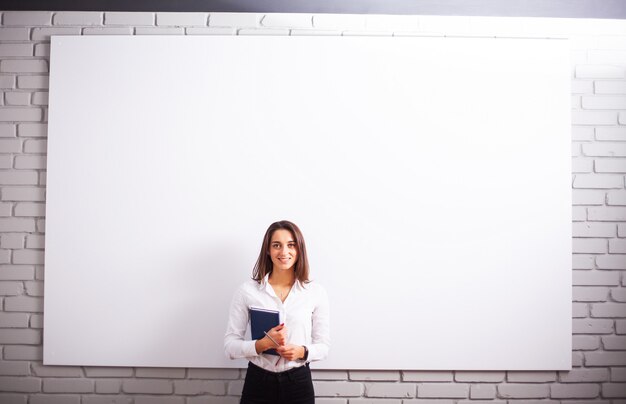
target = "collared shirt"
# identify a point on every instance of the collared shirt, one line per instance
(305, 313)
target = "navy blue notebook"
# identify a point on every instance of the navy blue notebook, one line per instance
(263, 320)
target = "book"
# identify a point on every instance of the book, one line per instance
(261, 321)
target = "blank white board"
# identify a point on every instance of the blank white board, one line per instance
(430, 176)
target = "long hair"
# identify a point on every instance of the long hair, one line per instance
(264, 265)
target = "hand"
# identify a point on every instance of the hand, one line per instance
(278, 334)
(291, 352)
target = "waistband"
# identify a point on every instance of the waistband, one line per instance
(252, 366)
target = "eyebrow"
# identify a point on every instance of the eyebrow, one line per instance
(290, 241)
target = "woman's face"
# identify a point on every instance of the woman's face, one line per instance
(283, 250)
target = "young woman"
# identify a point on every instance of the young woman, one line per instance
(280, 281)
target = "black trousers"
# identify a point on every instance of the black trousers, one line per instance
(293, 386)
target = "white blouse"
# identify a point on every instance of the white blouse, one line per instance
(305, 313)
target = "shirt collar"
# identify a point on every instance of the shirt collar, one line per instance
(266, 284)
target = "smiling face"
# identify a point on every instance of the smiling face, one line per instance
(283, 250)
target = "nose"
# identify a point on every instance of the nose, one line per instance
(284, 250)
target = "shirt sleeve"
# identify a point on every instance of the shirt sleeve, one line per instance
(235, 346)
(320, 333)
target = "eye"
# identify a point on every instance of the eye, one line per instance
(275, 245)
(291, 245)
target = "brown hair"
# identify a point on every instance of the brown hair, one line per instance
(263, 264)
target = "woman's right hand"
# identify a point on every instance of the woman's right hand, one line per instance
(278, 334)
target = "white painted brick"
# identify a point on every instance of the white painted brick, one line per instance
(234, 20)
(314, 32)
(14, 177)
(340, 21)
(95, 371)
(16, 98)
(611, 133)
(147, 386)
(443, 390)
(427, 376)
(590, 294)
(158, 400)
(32, 130)
(195, 387)
(391, 390)
(35, 241)
(617, 247)
(614, 390)
(610, 310)
(478, 391)
(16, 272)
(19, 18)
(598, 181)
(576, 102)
(607, 57)
(289, 20)
(582, 133)
(582, 86)
(33, 82)
(620, 327)
(234, 387)
(605, 149)
(124, 18)
(159, 31)
(600, 72)
(14, 320)
(40, 98)
(22, 194)
(614, 343)
(36, 321)
(579, 213)
(108, 386)
(67, 385)
(6, 161)
(479, 377)
(14, 368)
(594, 229)
(7, 130)
(621, 119)
(605, 213)
(222, 374)
(374, 375)
(603, 102)
(43, 34)
(30, 209)
(337, 401)
(11, 289)
(582, 165)
(618, 294)
(23, 352)
(576, 149)
(17, 224)
(21, 336)
(16, 49)
(584, 117)
(164, 373)
(15, 34)
(28, 257)
(449, 25)
(263, 31)
(30, 162)
(610, 87)
(5, 207)
(77, 18)
(9, 240)
(210, 31)
(420, 401)
(7, 81)
(523, 391)
(42, 50)
(621, 230)
(578, 390)
(15, 114)
(20, 384)
(610, 165)
(34, 288)
(618, 374)
(24, 303)
(10, 145)
(589, 246)
(589, 326)
(337, 389)
(108, 31)
(392, 23)
(181, 19)
(611, 42)
(580, 310)
(329, 374)
(585, 342)
(54, 399)
(35, 146)
(41, 225)
(105, 399)
(24, 66)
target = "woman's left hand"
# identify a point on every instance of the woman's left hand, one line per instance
(291, 352)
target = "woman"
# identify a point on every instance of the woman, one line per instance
(280, 282)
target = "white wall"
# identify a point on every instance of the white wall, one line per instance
(599, 207)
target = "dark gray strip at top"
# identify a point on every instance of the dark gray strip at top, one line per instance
(510, 8)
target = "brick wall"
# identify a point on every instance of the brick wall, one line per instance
(599, 219)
